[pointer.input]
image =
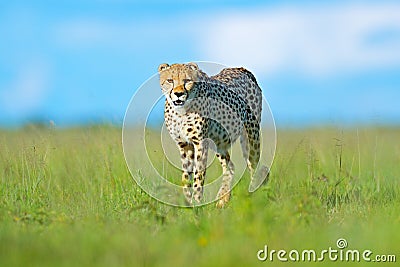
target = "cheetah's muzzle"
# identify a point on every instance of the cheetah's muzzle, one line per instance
(179, 102)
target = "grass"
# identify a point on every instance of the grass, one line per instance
(67, 199)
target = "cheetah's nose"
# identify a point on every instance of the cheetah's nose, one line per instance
(178, 94)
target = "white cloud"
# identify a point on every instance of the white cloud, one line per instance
(89, 32)
(318, 41)
(26, 92)
(84, 33)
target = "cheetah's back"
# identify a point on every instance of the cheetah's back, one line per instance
(243, 82)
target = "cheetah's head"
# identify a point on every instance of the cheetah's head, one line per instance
(177, 81)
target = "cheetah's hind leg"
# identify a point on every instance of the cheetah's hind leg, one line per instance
(228, 169)
(250, 142)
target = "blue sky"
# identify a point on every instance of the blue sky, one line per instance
(79, 62)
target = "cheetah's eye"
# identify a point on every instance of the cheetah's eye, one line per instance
(170, 80)
(187, 80)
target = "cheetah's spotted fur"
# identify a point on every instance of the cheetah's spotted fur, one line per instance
(222, 108)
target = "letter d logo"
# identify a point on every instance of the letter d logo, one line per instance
(262, 254)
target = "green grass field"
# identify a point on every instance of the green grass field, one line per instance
(67, 199)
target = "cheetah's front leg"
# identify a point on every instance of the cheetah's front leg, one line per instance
(187, 157)
(200, 165)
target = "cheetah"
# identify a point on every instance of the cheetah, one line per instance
(220, 108)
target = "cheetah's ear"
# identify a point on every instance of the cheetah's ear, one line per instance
(193, 66)
(162, 67)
